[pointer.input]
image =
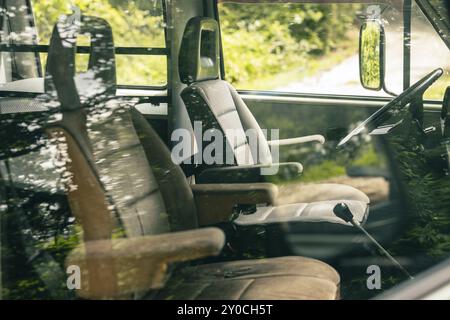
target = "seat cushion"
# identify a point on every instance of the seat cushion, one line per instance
(294, 278)
(311, 229)
(217, 105)
(321, 211)
(305, 193)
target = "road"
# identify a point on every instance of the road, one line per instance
(428, 52)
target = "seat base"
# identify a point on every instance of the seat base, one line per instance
(292, 278)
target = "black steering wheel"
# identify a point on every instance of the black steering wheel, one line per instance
(403, 99)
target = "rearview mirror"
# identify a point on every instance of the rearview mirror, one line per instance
(371, 55)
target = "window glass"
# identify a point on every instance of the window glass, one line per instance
(428, 52)
(135, 23)
(16, 27)
(137, 27)
(139, 70)
(313, 48)
(37, 228)
(441, 8)
(302, 48)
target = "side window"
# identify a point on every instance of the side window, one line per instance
(17, 28)
(299, 48)
(313, 48)
(139, 36)
(138, 27)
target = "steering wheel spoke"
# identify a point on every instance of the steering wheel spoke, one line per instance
(384, 113)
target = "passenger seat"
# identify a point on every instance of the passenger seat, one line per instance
(218, 106)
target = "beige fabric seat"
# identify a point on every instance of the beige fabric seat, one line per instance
(278, 278)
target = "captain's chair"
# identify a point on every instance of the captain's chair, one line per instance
(218, 106)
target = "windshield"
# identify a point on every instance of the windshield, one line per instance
(312, 48)
(237, 190)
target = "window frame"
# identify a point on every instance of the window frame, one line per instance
(120, 51)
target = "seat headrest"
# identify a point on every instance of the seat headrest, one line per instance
(61, 77)
(199, 57)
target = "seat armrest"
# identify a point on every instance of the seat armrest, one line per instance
(119, 267)
(216, 202)
(250, 173)
(300, 140)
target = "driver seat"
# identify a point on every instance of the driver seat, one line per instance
(218, 106)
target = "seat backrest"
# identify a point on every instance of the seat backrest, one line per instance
(214, 102)
(125, 154)
(121, 180)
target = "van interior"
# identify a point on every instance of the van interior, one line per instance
(222, 149)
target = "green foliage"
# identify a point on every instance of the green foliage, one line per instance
(134, 23)
(261, 41)
(428, 190)
(326, 170)
(369, 157)
(437, 90)
(364, 156)
(370, 52)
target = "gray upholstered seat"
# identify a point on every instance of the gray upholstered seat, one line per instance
(122, 185)
(218, 106)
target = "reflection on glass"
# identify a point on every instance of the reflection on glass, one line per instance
(371, 55)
